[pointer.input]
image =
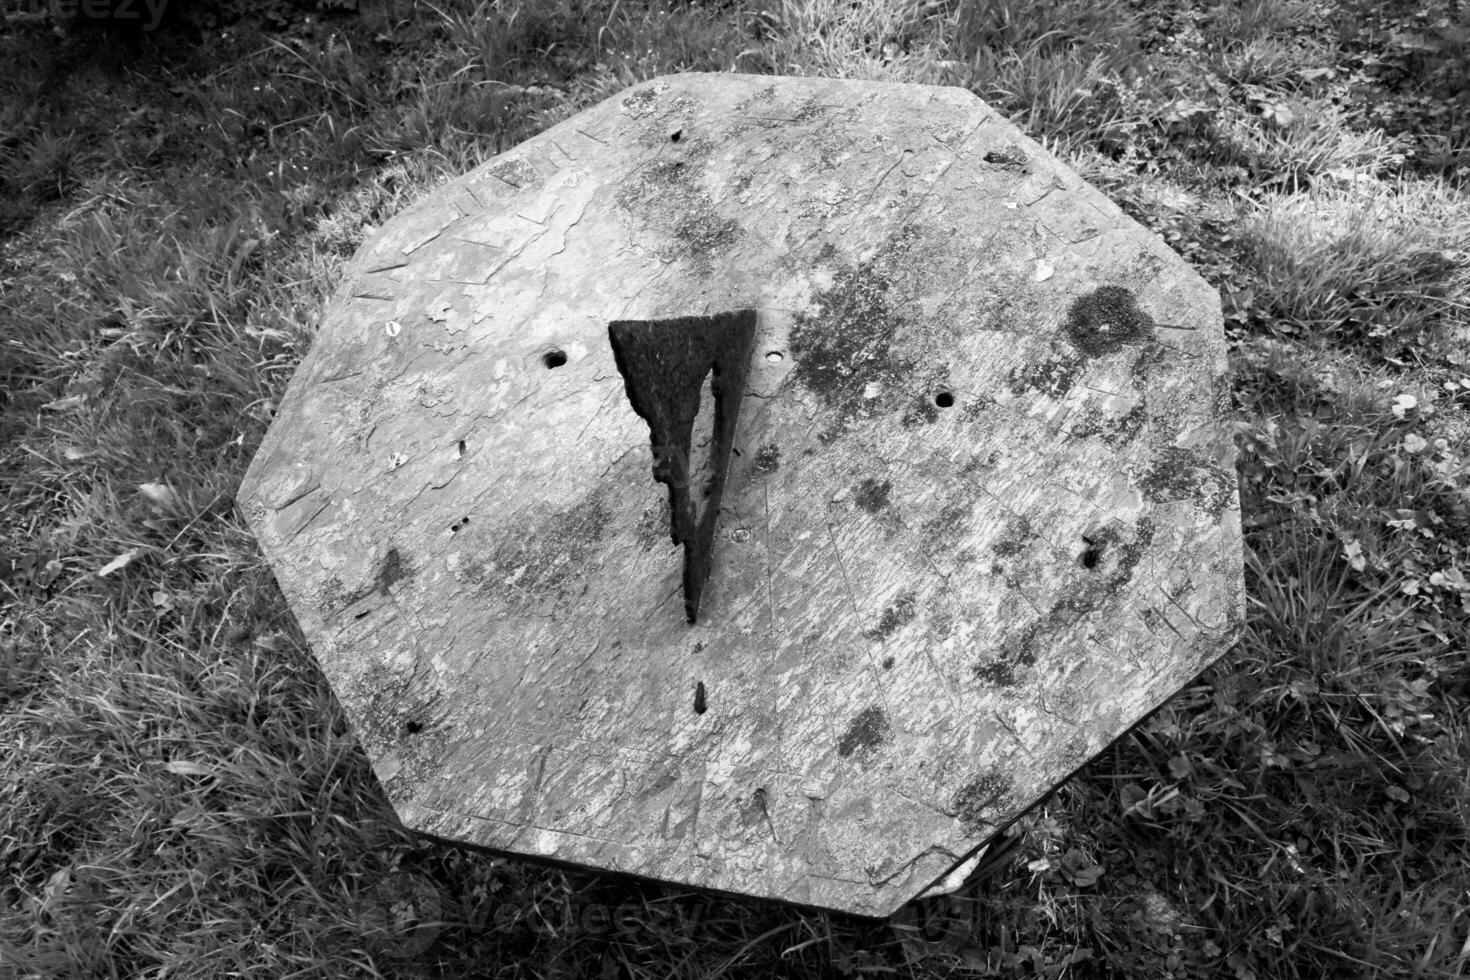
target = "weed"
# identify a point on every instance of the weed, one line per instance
(838, 39)
(1365, 262)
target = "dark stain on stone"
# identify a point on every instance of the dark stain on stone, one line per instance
(888, 663)
(985, 792)
(1179, 474)
(1018, 532)
(1052, 377)
(871, 495)
(1094, 587)
(847, 343)
(901, 611)
(394, 569)
(1106, 320)
(921, 411)
(1017, 652)
(1118, 559)
(767, 459)
(1125, 427)
(996, 673)
(868, 729)
(666, 195)
(550, 555)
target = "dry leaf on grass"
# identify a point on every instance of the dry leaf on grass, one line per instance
(119, 562)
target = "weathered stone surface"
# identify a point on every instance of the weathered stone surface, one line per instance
(981, 520)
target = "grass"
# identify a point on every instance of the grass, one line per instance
(183, 797)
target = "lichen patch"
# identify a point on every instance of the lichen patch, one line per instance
(899, 612)
(1106, 320)
(982, 796)
(868, 729)
(1183, 474)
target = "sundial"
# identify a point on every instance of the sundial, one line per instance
(767, 485)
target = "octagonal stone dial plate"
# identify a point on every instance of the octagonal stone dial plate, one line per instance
(980, 516)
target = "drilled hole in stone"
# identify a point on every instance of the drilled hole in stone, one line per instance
(774, 356)
(554, 358)
(675, 135)
(413, 727)
(458, 525)
(944, 399)
(699, 702)
(462, 447)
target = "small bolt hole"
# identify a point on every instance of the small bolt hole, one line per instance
(554, 358)
(1093, 554)
(462, 447)
(675, 135)
(699, 703)
(458, 525)
(775, 356)
(413, 728)
(944, 399)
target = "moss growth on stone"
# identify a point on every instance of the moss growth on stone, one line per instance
(1106, 320)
